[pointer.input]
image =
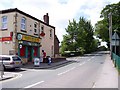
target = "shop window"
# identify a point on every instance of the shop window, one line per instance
(22, 51)
(4, 22)
(23, 24)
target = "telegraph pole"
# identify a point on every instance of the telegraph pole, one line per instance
(110, 32)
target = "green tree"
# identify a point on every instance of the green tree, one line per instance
(79, 37)
(102, 27)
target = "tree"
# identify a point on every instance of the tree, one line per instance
(79, 37)
(102, 27)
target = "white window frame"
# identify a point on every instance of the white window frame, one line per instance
(4, 23)
(23, 24)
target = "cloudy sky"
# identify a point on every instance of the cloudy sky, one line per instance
(60, 11)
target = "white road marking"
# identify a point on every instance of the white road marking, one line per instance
(18, 75)
(34, 84)
(94, 85)
(92, 57)
(66, 71)
(82, 63)
(88, 59)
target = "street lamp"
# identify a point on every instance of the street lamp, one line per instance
(110, 32)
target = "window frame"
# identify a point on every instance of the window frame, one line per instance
(23, 24)
(35, 27)
(50, 33)
(42, 29)
(4, 23)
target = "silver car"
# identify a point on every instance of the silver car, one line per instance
(10, 61)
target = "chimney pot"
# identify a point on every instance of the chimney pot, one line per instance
(46, 18)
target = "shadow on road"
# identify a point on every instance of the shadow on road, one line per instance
(14, 70)
(45, 66)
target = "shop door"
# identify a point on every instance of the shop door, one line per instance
(29, 54)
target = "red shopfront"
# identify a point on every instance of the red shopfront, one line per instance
(29, 47)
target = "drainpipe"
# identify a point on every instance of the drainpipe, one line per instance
(15, 35)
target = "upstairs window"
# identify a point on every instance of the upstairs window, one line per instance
(23, 23)
(51, 33)
(42, 29)
(35, 27)
(4, 22)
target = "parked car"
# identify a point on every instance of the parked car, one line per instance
(11, 61)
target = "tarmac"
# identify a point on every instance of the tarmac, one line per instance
(9, 75)
(108, 78)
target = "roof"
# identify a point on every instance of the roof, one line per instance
(21, 12)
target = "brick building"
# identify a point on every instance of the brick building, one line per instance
(25, 35)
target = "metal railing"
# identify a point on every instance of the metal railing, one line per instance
(116, 60)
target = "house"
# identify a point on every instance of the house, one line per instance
(25, 35)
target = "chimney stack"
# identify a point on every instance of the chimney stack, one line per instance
(46, 18)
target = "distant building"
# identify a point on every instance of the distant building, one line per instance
(25, 35)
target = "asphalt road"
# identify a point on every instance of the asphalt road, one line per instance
(82, 72)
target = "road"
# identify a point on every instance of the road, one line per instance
(82, 72)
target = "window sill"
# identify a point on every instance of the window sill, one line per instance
(4, 29)
(24, 31)
(35, 34)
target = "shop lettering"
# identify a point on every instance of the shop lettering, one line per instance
(6, 39)
(31, 39)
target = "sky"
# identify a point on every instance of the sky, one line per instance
(60, 11)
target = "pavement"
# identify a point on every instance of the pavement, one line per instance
(109, 75)
(108, 78)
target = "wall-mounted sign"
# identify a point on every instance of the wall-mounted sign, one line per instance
(5, 39)
(19, 36)
(28, 38)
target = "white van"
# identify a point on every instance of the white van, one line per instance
(10, 61)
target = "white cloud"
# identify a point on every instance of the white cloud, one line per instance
(60, 11)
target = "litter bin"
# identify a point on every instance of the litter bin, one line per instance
(36, 62)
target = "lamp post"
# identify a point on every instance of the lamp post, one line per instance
(110, 32)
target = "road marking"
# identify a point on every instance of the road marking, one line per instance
(82, 63)
(88, 59)
(34, 84)
(66, 71)
(92, 57)
(17, 75)
(94, 85)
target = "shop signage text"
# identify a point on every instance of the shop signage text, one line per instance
(5, 39)
(28, 38)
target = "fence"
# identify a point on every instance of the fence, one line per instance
(116, 60)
